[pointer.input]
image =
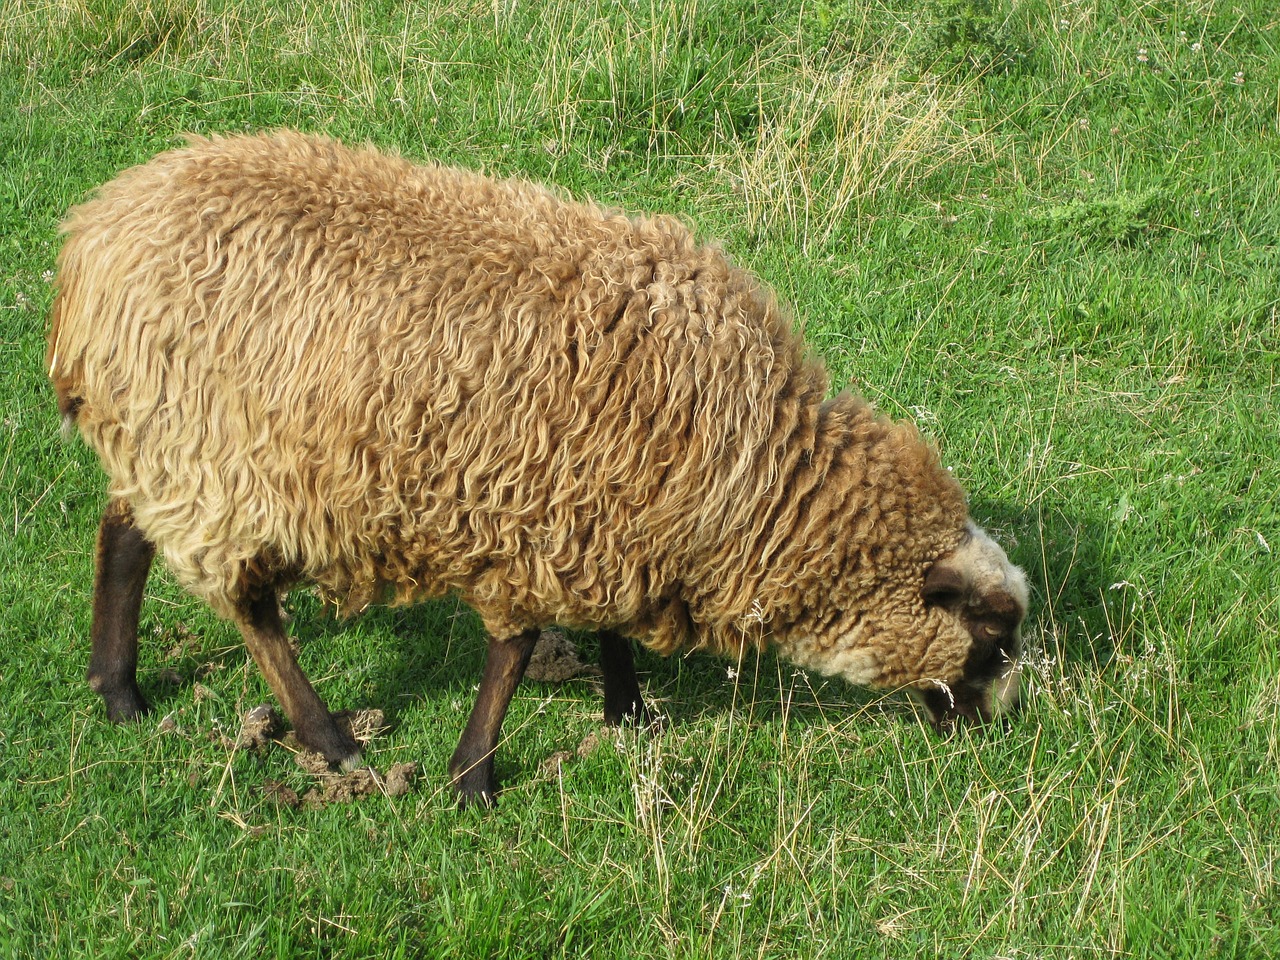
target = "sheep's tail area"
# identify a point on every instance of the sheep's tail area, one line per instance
(65, 388)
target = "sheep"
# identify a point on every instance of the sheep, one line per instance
(300, 362)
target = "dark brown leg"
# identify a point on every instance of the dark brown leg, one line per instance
(123, 561)
(259, 623)
(623, 702)
(471, 767)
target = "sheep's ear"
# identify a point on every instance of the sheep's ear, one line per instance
(945, 584)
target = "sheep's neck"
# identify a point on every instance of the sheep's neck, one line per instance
(849, 492)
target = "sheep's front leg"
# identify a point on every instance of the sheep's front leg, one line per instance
(623, 702)
(471, 767)
(259, 623)
(123, 562)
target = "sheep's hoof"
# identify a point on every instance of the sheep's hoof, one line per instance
(483, 797)
(125, 705)
(629, 712)
(339, 749)
(474, 784)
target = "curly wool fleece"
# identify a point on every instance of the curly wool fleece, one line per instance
(303, 362)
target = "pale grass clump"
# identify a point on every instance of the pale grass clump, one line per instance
(336, 34)
(1003, 834)
(332, 42)
(1264, 712)
(1070, 813)
(834, 139)
(831, 131)
(112, 29)
(103, 35)
(610, 76)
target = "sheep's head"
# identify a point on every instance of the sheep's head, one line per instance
(978, 586)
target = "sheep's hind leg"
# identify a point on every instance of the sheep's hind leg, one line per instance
(123, 562)
(623, 702)
(259, 623)
(471, 767)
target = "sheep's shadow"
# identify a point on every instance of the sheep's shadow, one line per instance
(1066, 558)
(437, 648)
(439, 651)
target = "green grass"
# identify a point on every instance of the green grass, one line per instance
(1050, 233)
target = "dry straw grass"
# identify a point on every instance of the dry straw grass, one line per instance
(836, 138)
(795, 139)
(114, 30)
(611, 74)
(831, 129)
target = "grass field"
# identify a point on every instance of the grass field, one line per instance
(1049, 232)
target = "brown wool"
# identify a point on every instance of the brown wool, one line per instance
(301, 362)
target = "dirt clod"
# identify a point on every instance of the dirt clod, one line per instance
(259, 728)
(400, 779)
(281, 793)
(555, 659)
(311, 762)
(362, 782)
(364, 725)
(262, 729)
(589, 744)
(551, 766)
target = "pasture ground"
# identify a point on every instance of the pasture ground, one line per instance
(1047, 231)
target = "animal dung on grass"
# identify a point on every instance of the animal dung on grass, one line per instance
(301, 362)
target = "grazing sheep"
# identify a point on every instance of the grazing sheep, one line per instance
(303, 362)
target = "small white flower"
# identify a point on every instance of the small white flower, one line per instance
(1238, 78)
(1142, 56)
(1195, 47)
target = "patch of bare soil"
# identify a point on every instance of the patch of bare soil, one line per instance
(261, 730)
(554, 660)
(334, 787)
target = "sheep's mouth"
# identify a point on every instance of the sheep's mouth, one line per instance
(991, 702)
(1006, 690)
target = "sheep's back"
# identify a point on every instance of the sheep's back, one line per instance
(302, 361)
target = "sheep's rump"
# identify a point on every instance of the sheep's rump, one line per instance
(299, 361)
